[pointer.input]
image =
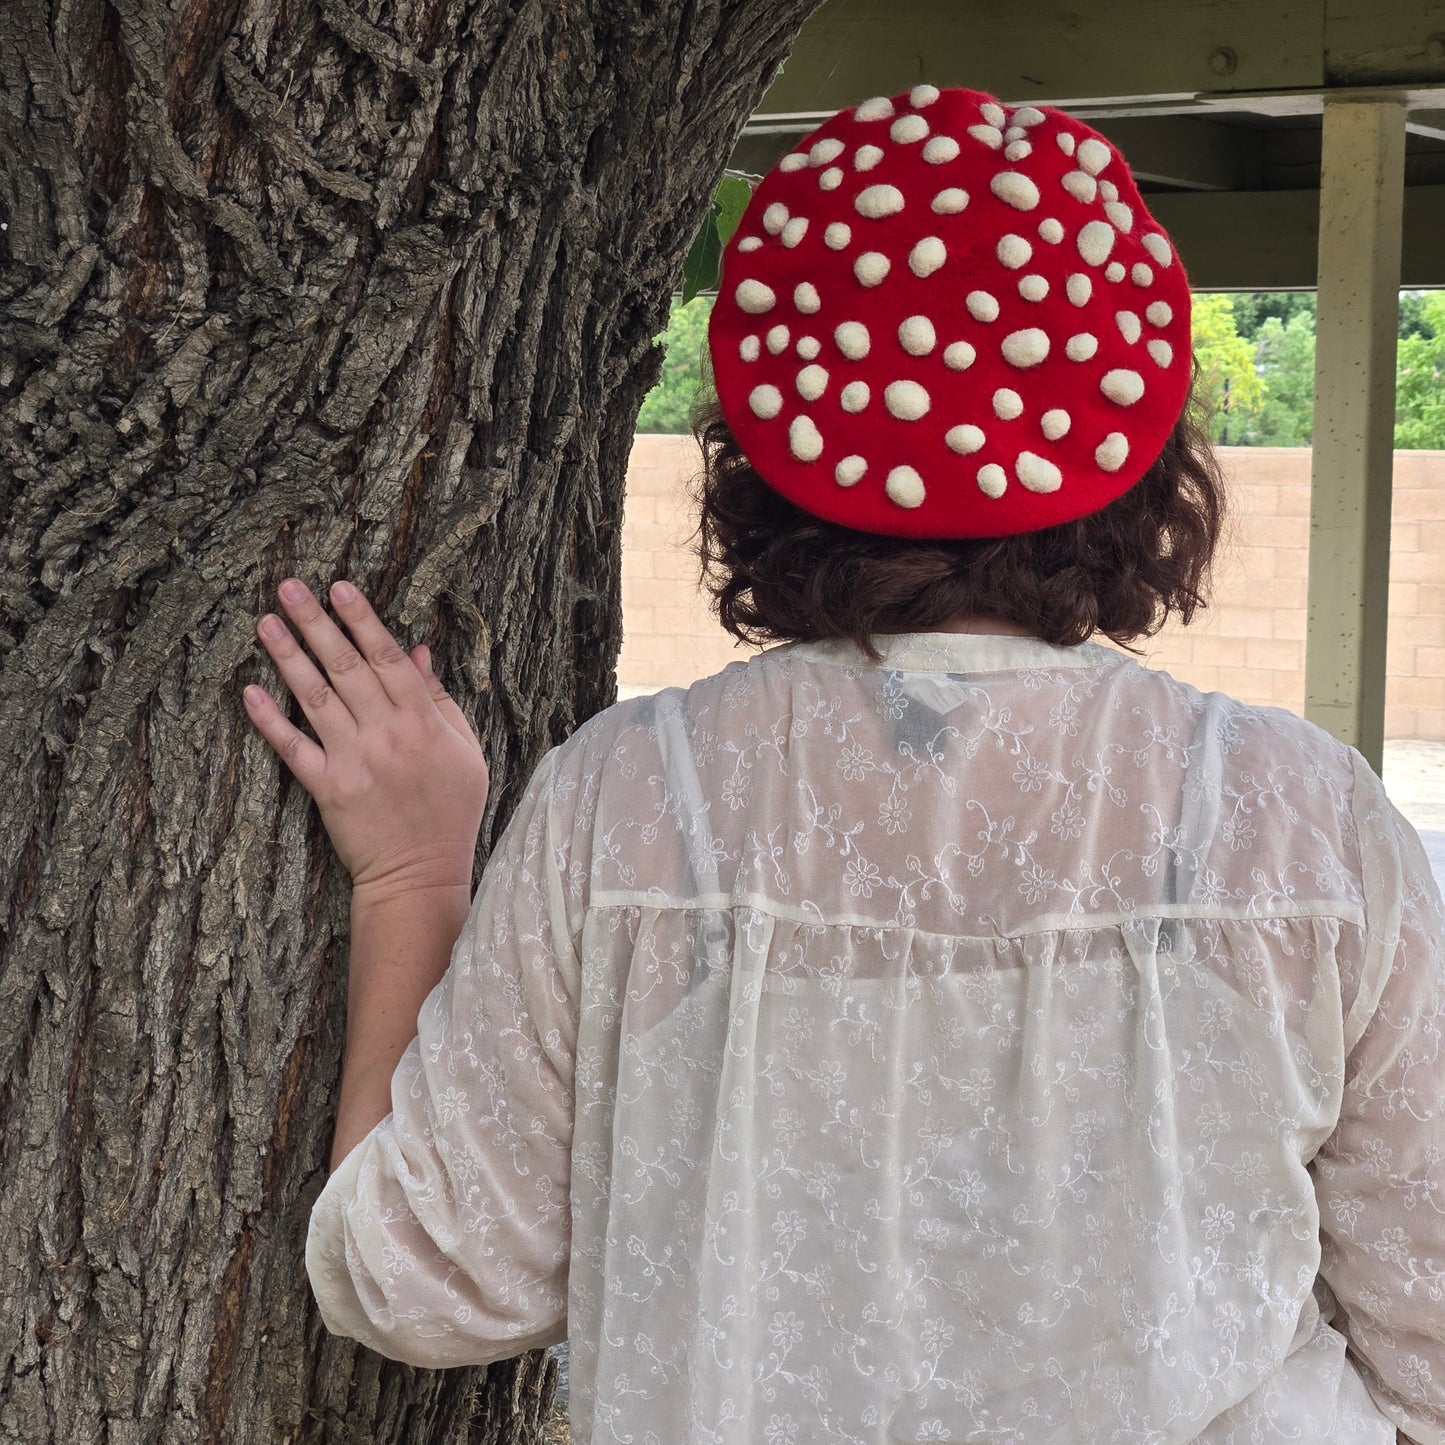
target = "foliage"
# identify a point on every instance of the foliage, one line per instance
(1419, 395)
(1284, 355)
(1232, 388)
(700, 269)
(669, 403)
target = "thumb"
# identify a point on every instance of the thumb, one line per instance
(446, 705)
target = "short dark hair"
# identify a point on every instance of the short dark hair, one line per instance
(779, 574)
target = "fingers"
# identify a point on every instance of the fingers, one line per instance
(324, 709)
(390, 665)
(305, 758)
(441, 697)
(347, 671)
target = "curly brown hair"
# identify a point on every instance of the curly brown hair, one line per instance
(779, 574)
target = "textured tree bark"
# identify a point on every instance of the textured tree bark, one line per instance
(332, 287)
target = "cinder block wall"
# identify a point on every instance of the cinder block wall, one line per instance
(1250, 642)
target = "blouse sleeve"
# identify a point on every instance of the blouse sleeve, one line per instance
(1380, 1177)
(443, 1237)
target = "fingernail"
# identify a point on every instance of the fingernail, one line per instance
(271, 626)
(343, 591)
(293, 591)
(254, 696)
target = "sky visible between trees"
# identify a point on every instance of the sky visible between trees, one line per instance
(1257, 350)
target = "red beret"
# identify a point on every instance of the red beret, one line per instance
(940, 317)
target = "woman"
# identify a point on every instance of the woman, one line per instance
(939, 1027)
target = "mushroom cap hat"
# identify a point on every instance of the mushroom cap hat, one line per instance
(944, 317)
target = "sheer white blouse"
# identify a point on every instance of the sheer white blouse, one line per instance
(1006, 1043)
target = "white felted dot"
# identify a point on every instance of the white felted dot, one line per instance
(766, 402)
(1160, 313)
(1114, 271)
(805, 297)
(1120, 216)
(1015, 189)
(750, 243)
(875, 202)
(794, 162)
(1051, 230)
(1037, 473)
(1109, 190)
(1093, 155)
(871, 267)
(1080, 288)
(1157, 247)
(1055, 423)
(1081, 187)
(1128, 325)
(927, 256)
(989, 135)
(906, 400)
(1081, 347)
(754, 297)
(1025, 348)
(808, 347)
(867, 157)
(1096, 240)
(1033, 287)
(824, 151)
(905, 487)
(965, 440)
(1161, 351)
(778, 339)
(837, 236)
(993, 114)
(922, 95)
(907, 129)
(1013, 251)
(1018, 150)
(879, 108)
(855, 396)
(1066, 142)
(1112, 452)
(812, 382)
(958, 356)
(750, 348)
(849, 471)
(831, 179)
(1028, 115)
(852, 339)
(775, 218)
(1007, 404)
(1122, 386)
(794, 231)
(916, 336)
(804, 440)
(1141, 275)
(950, 202)
(940, 150)
(992, 480)
(1015, 132)
(981, 306)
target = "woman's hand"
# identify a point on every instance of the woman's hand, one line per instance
(399, 775)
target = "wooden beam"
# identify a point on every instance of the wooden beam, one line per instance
(1052, 50)
(1361, 200)
(1269, 240)
(1197, 154)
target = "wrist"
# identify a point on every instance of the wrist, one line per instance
(400, 894)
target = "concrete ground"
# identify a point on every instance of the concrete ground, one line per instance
(1414, 775)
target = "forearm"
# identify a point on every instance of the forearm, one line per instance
(400, 947)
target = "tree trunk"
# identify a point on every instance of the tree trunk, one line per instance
(331, 287)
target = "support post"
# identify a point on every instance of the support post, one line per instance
(1361, 205)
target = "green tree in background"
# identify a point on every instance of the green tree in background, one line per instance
(1419, 395)
(1284, 356)
(1230, 380)
(669, 403)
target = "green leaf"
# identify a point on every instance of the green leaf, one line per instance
(730, 201)
(700, 270)
(704, 261)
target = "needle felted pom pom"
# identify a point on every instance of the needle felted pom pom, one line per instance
(944, 317)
